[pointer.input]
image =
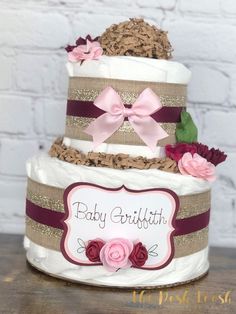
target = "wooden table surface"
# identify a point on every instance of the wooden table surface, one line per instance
(25, 290)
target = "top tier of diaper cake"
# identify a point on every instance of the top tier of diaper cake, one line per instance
(126, 104)
(124, 90)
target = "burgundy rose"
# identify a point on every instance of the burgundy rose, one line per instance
(177, 151)
(139, 255)
(93, 250)
(81, 41)
(215, 156)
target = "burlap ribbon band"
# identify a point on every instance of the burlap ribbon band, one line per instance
(45, 211)
(81, 111)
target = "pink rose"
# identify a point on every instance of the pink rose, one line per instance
(115, 254)
(93, 250)
(196, 166)
(139, 255)
(89, 51)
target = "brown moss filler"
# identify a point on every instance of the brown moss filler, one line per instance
(118, 161)
(136, 38)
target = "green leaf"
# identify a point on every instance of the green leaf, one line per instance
(186, 130)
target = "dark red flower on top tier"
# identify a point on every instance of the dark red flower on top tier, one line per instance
(139, 255)
(177, 151)
(215, 156)
(69, 48)
(93, 250)
(81, 41)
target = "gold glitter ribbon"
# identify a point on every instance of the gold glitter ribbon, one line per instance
(50, 238)
(52, 198)
(88, 88)
(124, 135)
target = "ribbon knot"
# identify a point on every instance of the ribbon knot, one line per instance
(128, 112)
(139, 116)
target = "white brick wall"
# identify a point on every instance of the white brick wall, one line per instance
(33, 81)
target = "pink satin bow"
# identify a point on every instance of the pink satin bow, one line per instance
(138, 115)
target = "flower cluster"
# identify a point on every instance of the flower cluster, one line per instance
(116, 253)
(196, 159)
(176, 152)
(81, 41)
(85, 49)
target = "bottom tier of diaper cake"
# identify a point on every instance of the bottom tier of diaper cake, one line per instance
(110, 227)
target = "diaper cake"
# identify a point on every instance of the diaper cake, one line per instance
(123, 199)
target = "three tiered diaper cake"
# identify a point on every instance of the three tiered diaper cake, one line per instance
(123, 199)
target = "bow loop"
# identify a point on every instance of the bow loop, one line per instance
(138, 115)
(109, 100)
(147, 103)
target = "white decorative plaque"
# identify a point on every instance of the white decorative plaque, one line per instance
(146, 216)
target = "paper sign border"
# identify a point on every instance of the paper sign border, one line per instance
(65, 227)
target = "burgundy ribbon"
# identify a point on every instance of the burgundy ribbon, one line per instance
(44, 216)
(54, 219)
(192, 224)
(79, 108)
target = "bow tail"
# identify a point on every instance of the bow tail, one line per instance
(103, 127)
(148, 130)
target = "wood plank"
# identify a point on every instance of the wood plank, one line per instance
(25, 290)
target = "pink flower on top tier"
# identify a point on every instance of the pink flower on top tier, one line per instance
(115, 254)
(196, 166)
(89, 51)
